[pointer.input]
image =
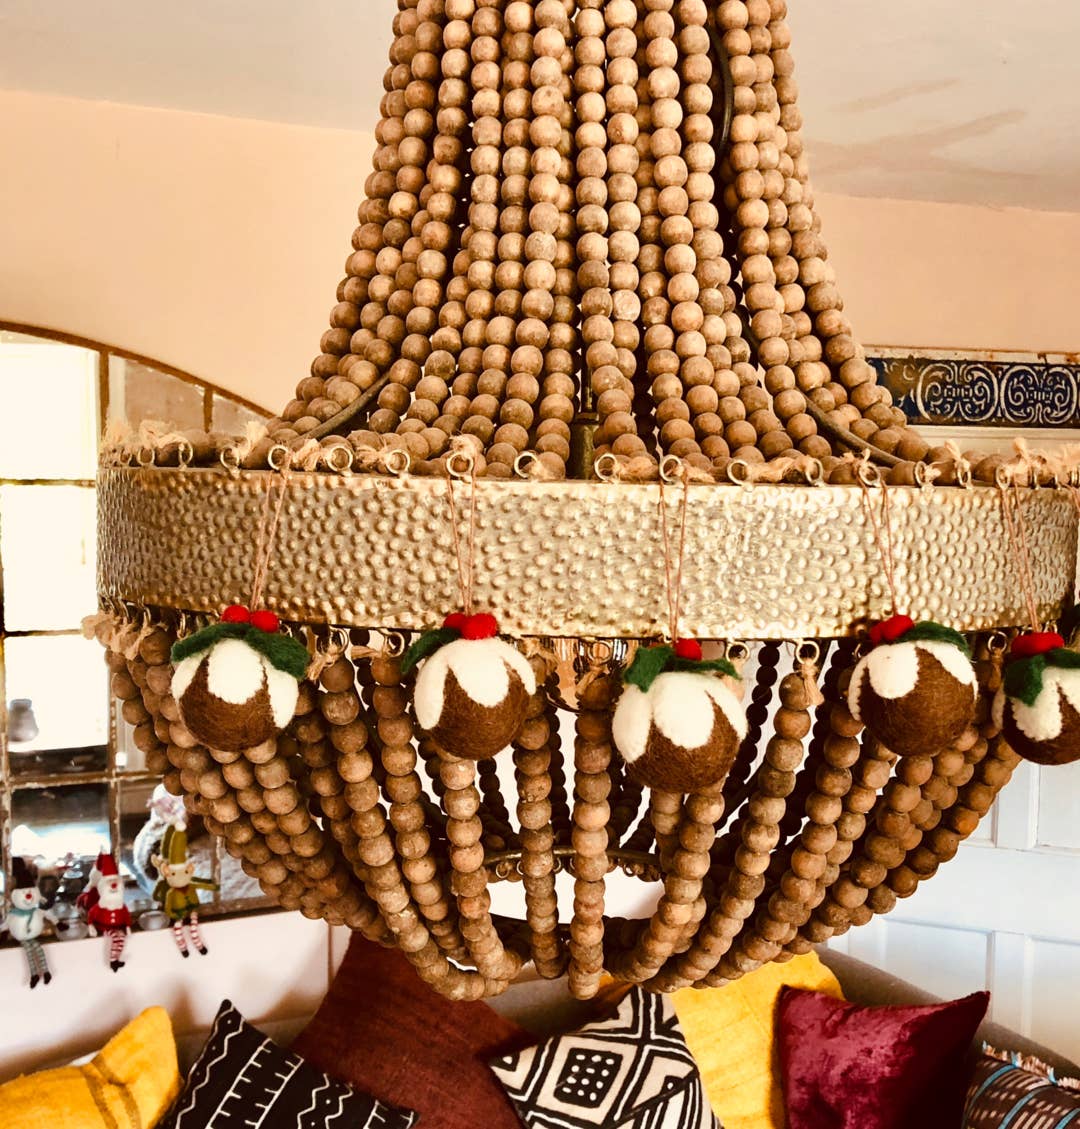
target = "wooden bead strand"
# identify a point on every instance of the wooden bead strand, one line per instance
(532, 763)
(592, 755)
(416, 857)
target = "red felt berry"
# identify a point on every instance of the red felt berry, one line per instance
(235, 613)
(480, 626)
(456, 621)
(895, 626)
(688, 649)
(265, 621)
(1035, 643)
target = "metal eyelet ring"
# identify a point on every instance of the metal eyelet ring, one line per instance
(524, 462)
(229, 457)
(278, 457)
(397, 461)
(736, 651)
(815, 473)
(807, 651)
(743, 477)
(394, 643)
(964, 477)
(1002, 478)
(606, 467)
(671, 470)
(145, 457)
(339, 458)
(185, 454)
(460, 465)
(598, 652)
(998, 643)
(869, 475)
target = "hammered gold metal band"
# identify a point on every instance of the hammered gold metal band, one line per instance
(578, 559)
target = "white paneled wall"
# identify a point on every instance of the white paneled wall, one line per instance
(1003, 915)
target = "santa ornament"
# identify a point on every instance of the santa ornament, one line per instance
(108, 915)
(178, 889)
(915, 691)
(89, 896)
(26, 919)
(236, 682)
(473, 688)
(1038, 706)
(677, 724)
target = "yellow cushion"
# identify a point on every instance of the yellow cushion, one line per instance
(130, 1084)
(730, 1032)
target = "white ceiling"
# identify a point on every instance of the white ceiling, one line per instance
(974, 101)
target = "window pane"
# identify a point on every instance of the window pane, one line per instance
(48, 543)
(64, 679)
(56, 822)
(49, 397)
(138, 392)
(231, 417)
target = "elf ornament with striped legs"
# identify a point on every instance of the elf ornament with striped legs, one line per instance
(178, 889)
(108, 915)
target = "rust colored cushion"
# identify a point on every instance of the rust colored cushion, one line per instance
(384, 1031)
(850, 1067)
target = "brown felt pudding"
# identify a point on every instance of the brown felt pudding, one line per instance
(915, 697)
(1048, 730)
(471, 696)
(233, 698)
(680, 735)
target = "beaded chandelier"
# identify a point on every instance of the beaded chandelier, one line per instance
(590, 474)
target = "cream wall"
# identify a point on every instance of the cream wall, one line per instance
(215, 244)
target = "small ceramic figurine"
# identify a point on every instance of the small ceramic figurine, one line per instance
(178, 889)
(108, 915)
(26, 919)
(89, 896)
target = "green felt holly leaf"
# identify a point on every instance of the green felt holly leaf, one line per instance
(428, 644)
(1024, 678)
(930, 632)
(281, 651)
(650, 662)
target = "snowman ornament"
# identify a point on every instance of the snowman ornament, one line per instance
(26, 919)
(677, 723)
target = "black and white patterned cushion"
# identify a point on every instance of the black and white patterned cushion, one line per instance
(244, 1081)
(632, 1071)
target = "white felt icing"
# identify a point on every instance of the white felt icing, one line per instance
(1043, 720)
(680, 705)
(184, 673)
(234, 671)
(480, 667)
(284, 691)
(893, 669)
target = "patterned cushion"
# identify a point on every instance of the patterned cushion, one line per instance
(243, 1079)
(1005, 1093)
(632, 1071)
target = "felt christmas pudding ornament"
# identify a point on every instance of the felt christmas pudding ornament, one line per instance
(472, 689)
(915, 691)
(237, 682)
(677, 724)
(1038, 705)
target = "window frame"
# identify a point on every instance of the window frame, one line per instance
(112, 776)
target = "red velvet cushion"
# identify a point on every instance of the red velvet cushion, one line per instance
(851, 1067)
(383, 1030)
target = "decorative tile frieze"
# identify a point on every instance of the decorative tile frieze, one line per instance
(986, 389)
